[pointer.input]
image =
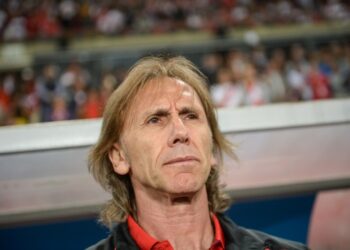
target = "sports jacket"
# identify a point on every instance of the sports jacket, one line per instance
(236, 238)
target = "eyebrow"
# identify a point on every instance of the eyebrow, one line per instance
(158, 112)
(187, 110)
(165, 112)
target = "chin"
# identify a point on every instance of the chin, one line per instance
(183, 185)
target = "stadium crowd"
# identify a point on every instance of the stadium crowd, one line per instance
(51, 19)
(235, 78)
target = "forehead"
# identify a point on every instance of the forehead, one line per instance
(165, 91)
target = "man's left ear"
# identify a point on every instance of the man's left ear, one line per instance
(117, 156)
(213, 161)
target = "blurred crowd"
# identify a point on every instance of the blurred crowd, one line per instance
(257, 77)
(45, 19)
(235, 78)
(54, 92)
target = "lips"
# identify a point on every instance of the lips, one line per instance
(181, 160)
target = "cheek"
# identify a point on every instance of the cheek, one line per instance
(204, 143)
(144, 152)
(207, 140)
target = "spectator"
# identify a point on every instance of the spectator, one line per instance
(29, 100)
(15, 29)
(274, 77)
(226, 93)
(42, 22)
(46, 89)
(319, 82)
(297, 71)
(108, 84)
(67, 12)
(59, 109)
(5, 101)
(72, 85)
(346, 69)
(92, 108)
(110, 21)
(335, 10)
(340, 68)
(237, 61)
(210, 65)
(256, 92)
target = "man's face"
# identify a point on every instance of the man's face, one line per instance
(166, 145)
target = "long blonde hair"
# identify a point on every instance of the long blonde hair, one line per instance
(114, 117)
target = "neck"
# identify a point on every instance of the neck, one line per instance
(183, 220)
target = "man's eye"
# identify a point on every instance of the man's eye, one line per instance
(191, 116)
(153, 120)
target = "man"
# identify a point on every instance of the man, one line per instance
(159, 154)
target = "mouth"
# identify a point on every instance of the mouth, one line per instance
(186, 159)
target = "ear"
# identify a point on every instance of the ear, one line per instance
(117, 157)
(213, 161)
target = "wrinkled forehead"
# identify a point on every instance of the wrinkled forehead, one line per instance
(166, 86)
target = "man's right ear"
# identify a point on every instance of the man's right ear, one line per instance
(117, 157)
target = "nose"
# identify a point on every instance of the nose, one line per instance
(179, 133)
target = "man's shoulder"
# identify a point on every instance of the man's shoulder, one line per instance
(243, 238)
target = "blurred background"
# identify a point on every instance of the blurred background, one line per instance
(60, 60)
